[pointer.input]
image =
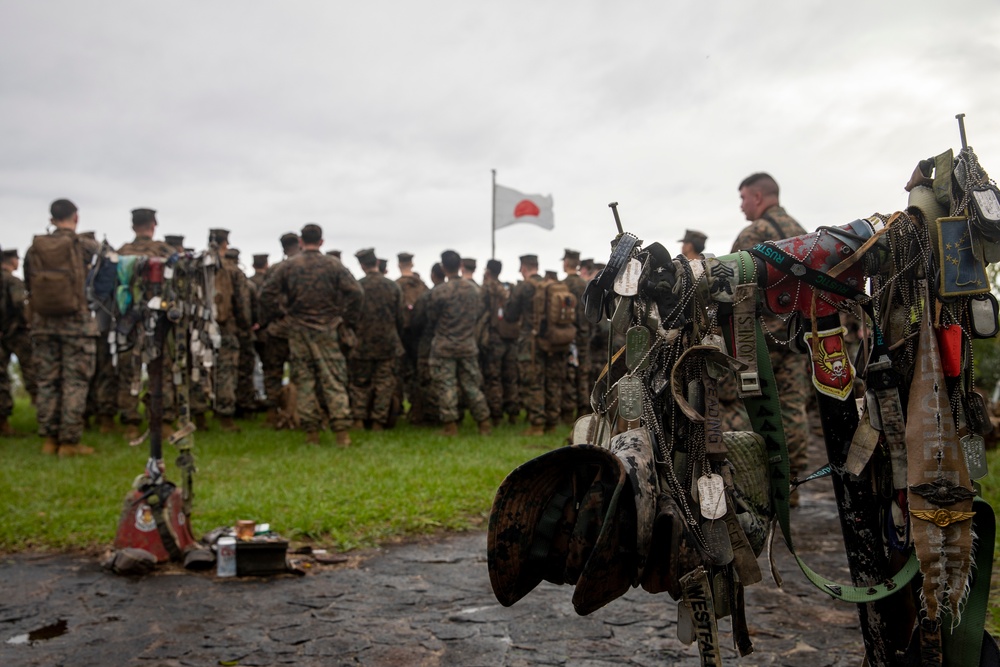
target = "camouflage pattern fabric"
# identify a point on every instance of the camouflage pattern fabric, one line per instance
(576, 391)
(64, 365)
(102, 397)
(498, 357)
(319, 373)
(381, 319)
(372, 386)
(273, 360)
(246, 395)
(16, 340)
(541, 375)
(412, 287)
(228, 358)
(424, 406)
(453, 376)
(454, 310)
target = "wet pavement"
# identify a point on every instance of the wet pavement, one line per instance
(427, 602)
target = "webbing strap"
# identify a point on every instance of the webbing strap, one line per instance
(963, 645)
(765, 416)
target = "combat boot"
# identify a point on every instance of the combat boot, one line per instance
(107, 424)
(450, 429)
(6, 430)
(312, 437)
(66, 451)
(534, 430)
(228, 425)
(358, 425)
(50, 446)
(343, 439)
(485, 428)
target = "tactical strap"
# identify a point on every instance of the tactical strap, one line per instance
(765, 416)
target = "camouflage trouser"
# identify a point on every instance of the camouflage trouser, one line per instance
(412, 389)
(541, 377)
(459, 375)
(103, 394)
(226, 375)
(273, 360)
(246, 396)
(431, 401)
(319, 372)
(576, 391)
(129, 380)
(373, 384)
(64, 365)
(19, 345)
(499, 364)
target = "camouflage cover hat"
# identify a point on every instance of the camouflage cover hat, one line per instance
(218, 235)
(366, 256)
(469, 263)
(693, 237)
(551, 275)
(334, 253)
(571, 254)
(259, 261)
(176, 240)
(587, 263)
(289, 239)
(232, 253)
(142, 216)
(10, 254)
(405, 257)
(383, 265)
(529, 259)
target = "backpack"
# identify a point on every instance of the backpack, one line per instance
(223, 292)
(555, 315)
(56, 275)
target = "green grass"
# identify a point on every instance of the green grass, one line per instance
(991, 493)
(387, 485)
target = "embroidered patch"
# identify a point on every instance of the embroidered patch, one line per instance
(833, 372)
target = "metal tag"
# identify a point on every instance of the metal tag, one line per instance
(983, 316)
(976, 416)
(717, 542)
(637, 348)
(862, 445)
(685, 624)
(987, 204)
(974, 448)
(593, 302)
(591, 430)
(627, 280)
(630, 398)
(712, 497)
(621, 320)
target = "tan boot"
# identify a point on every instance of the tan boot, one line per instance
(485, 428)
(343, 439)
(533, 430)
(358, 425)
(50, 446)
(450, 429)
(312, 438)
(271, 420)
(107, 424)
(66, 451)
(228, 425)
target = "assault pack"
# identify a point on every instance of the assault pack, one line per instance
(56, 274)
(554, 307)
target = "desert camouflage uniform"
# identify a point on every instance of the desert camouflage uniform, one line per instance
(372, 366)
(454, 309)
(498, 357)
(423, 328)
(318, 294)
(576, 391)
(129, 367)
(790, 369)
(16, 340)
(228, 358)
(63, 355)
(541, 374)
(412, 287)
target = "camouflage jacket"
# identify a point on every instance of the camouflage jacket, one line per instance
(420, 325)
(577, 285)
(146, 246)
(78, 324)
(314, 289)
(14, 307)
(381, 319)
(243, 301)
(520, 306)
(761, 229)
(495, 297)
(412, 287)
(454, 309)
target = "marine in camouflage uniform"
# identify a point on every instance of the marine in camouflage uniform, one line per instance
(541, 374)
(498, 349)
(246, 397)
(412, 287)
(454, 310)
(239, 319)
(129, 348)
(63, 352)
(318, 295)
(770, 222)
(424, 329)
(276, 352)
(576, 391)
(15, 339)
(373, 362)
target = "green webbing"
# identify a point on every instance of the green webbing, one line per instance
(962, 647)
(765, 416)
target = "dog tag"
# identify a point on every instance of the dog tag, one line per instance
(983, 316)
(591, 430)
(987, 203)
(627, 280)
(974, 448)
(593, 302)
(168, 272)
(630, 398)
(658, 382)
(717, 542)
(976, 417)
(720, 595)
(637, 348)
(621, 320)
(685, 624)
(712, 497)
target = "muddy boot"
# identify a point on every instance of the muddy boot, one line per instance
(343, 439)
(50, 446)
(228, 425)
(200, 423)
(533, 430)
(450, 429)
(69, 450)
(485, 428)
(107, 424)
(312, 438)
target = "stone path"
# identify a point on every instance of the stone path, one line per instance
(416, 604)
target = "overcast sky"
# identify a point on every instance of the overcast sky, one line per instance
(381, 120)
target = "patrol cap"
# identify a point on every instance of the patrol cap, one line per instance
(531, 260)
(551, 275)
(143, 216)
(10, 254)
(232, 253)
(572, 254)
(587, 263)
(695, 238)
(218, 235)
(259, 261)
(494, 266)
(289, 240)
(405, 257)
(175, 240)
(366, 257)
(334, 253)
(383, 265)
(469, 263)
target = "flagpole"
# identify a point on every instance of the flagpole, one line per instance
(493, 218)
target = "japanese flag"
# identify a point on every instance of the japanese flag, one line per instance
(511, 207)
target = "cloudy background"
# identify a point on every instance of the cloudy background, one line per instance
(382, 120)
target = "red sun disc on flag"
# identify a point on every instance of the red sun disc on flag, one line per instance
(526, 207)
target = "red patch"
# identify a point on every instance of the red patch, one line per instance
(833, 373)
(526, 207)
